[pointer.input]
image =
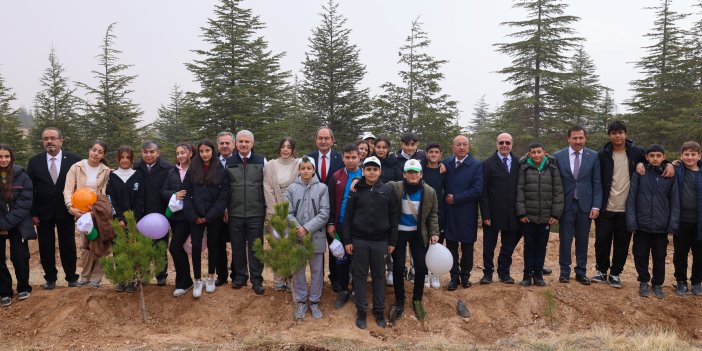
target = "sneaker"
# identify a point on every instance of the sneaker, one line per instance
(94, 284)
(82, 283)
(643, 289)
(181, 292)
(599, 277)
(379, 316)
(419, 310)
(697, 289)
(300, 310)
(341, 298)
(539, 281)
(360, 318)
(161, 281)
(314, 309)
(121, 287)
(23, 295)
(280, 287)
(427, 283)
(462, 309)
(435, 282)
(130, 287)
(658, 291)
(615, 281)
(389, 280)
(681, 288)
(197, 288)
(5, 301)
(396, 311)
(210, 285)
(526, 281)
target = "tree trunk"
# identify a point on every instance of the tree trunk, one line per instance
(142, 303)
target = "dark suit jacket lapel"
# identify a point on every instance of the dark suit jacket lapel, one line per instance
(565, 158)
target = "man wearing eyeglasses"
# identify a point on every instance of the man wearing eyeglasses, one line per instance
(497, 208)
(47, 171)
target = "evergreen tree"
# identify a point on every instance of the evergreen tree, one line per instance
(482, 137)
(171, 125)
(332, 77)
(10, 132)
(242, 85)
(605, 111)
(418, 105)
(666, 88)
(55, 106)
(693, 113)
(113, 114)
(538, 67)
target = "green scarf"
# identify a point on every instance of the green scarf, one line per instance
(540, 167)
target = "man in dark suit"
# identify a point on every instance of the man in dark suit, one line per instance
(497, 207)
(328, 161)
(225, 147)
(47, 171)
(582, 192)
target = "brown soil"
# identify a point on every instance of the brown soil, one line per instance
(503, 316)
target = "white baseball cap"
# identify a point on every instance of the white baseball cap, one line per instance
(373, 161)
(412, 165)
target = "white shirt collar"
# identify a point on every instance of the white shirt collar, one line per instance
(58, 156)
(247, 156)
(324, 154)
(461, 160)
(572, 152)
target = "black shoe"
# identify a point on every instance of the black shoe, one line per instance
(341, 298)
(161, 281)
(379, 316)
(486, 279)
(52, 285)
(462, 309)
(697, 289)
(582, 279)
(121, 287)
(643, 289)
(452, 285)
(396, 311)
(361, 318)
(526, 281)
(258, 289)
(539, 281)
(236, 284)
(465, 283)
(658, 291)
(130, 287)
(74, 284)
(506, 279)
(599, 277)
(682, 288)
(220, 282)
(564, 279)
(419, 310)
(546, 271)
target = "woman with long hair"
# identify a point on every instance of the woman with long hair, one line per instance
(125, 190)
(389, 169)
(280, 173)
(173, 184)
(92, 173)
(207, 196)
(363, 150)
(16, 194)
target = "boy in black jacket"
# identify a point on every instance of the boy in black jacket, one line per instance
(370, 231)
(652, 211)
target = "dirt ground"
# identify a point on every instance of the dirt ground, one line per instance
(503, 316)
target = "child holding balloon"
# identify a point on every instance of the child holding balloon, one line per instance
(91, 173)
(207, 195)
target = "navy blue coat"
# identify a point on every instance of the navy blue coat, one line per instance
(466, 185)
(680, 176)
(16, 216)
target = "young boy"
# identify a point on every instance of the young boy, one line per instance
(539, 204)
(370, 231)
(689, 236)
(338, 196)
(434, 177)
(309, 210)
(652, 211)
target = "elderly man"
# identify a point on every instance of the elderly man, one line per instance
(462, 190)
(225, 148)
(246, 211)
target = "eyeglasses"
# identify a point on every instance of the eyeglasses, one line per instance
(50, 138)
(503, 142)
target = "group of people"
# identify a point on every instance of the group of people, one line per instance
(375, 202)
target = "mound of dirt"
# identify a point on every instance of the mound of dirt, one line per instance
(90, 318)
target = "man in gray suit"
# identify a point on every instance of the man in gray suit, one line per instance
(582, 191)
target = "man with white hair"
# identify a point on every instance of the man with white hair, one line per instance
(246, 211)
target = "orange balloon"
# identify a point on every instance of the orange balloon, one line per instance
(83, 198)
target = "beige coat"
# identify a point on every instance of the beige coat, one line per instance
(76, 178)
(273, 188)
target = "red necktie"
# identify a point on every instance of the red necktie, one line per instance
(324, 168)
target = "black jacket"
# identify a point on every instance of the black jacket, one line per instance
(371, 214)
(498, 202)
(635, 154)
(435, 179)
(153, 183)
(418, 155)
(206, 200)
(653, 203)
(171, 185)
(127, 196)
(48, 197)
(16, 216)
(389, 170)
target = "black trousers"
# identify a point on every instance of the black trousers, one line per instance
(653, 245)
(46, 232)
(341, 268)
(535, 242)
(243, 231)
(369, 254)
(181, 230)
(683, 243)
(463, 266)
(163, 274)
(19, 255)
(222, 268)
(508, 240)
(611, 236)
(418, 252)
(197, 231)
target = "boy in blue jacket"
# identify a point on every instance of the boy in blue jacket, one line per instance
(689, 236)
(652, 213)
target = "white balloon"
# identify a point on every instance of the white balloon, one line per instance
(439, 259)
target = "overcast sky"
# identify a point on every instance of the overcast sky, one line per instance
(157, 36)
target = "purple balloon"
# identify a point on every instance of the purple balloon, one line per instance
(153, 225)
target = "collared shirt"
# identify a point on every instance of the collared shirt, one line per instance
(223, 160)
(509, 160)
(571, 155)
(249, 157)
(406, 156)
(456, 159)
(319, 162)
(58, 157)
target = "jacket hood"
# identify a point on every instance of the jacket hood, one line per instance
(17, 171)
(314, 180)
(550, 160)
